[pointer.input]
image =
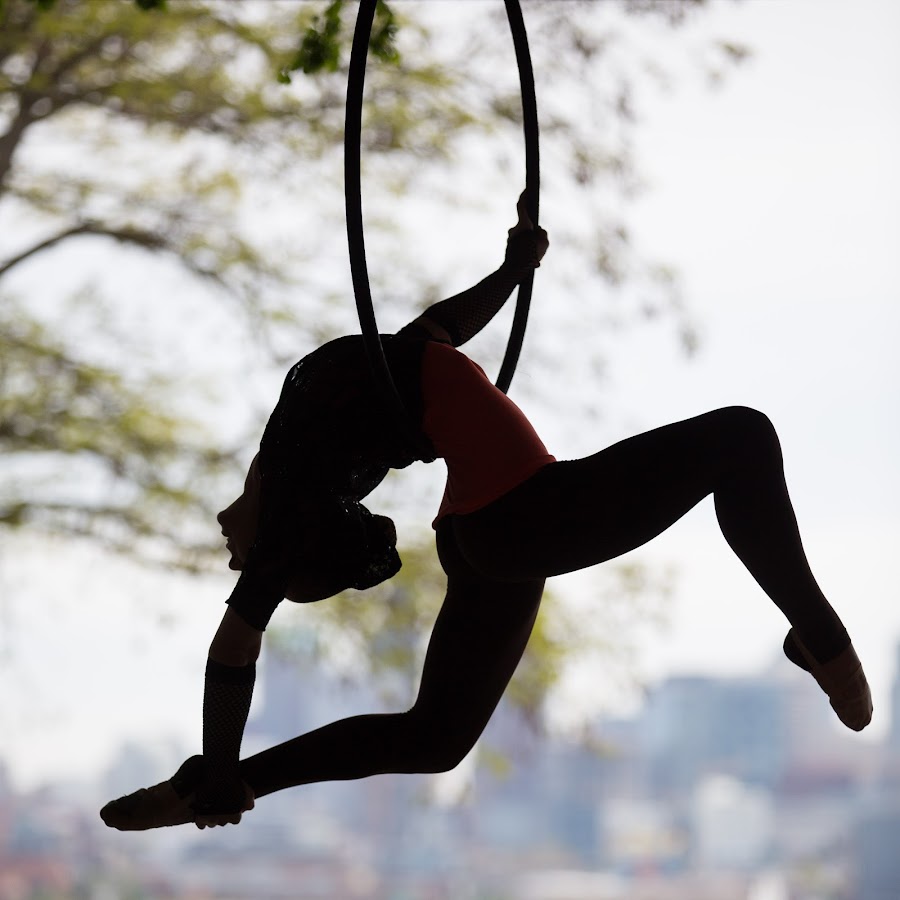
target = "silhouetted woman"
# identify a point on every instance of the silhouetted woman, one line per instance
(511, 516)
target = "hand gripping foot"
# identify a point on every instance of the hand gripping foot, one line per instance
(218, 804)
(168, 803)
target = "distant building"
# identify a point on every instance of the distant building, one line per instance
(138, 764)
(641, 836)
(733, 825)
(894, 735)
(877, 855)
(296, 693)
(694, 726)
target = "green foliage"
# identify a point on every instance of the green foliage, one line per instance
(382, 42)
(58, 406)
(78, 71)
(320, 49)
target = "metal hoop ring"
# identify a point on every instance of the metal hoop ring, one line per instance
(355, 231)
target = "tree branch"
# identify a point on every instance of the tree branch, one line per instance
(37, 248)
(13, 136)
(66, 65)
(11, 139)
(148, 240)
(11, 30)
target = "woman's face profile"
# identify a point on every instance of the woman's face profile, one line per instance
(239, 523)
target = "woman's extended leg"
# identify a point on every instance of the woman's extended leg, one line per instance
(476, 644)
(572, 515)
(576, 514)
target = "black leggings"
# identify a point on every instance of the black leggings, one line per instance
(569, 516)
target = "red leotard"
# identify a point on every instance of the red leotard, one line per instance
(488, 444)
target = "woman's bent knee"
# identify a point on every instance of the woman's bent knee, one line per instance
(749, 429)
(438, 746)
(444, 760)
(744, 419)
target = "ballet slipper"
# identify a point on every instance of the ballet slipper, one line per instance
(844, 681)
(154, 807)
(164, 804)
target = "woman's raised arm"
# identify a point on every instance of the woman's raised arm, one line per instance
(459, 318)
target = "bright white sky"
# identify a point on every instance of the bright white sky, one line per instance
(777, 197)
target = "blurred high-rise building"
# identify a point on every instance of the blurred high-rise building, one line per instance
(894, 734)
(697, 724)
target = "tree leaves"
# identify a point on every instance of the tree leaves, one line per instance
(321, 47)
(55, 405)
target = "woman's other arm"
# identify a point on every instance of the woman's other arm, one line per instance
(236, 643)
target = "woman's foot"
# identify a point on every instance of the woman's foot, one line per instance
(153, 807)
(842, 679)
(169, 803)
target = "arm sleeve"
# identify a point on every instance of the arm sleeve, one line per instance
(464, 315)
(227, 695)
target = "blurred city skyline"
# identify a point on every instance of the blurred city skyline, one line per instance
(719, 789)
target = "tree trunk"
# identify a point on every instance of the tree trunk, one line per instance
(11, 139)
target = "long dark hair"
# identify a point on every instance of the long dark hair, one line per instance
(328, 444)
(359, 549)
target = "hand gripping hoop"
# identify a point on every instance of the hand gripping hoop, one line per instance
(353, 198)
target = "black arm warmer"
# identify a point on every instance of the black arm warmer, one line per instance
(226, 705)
(464, 315)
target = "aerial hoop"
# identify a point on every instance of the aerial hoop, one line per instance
(532, 184)
(353, 198)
